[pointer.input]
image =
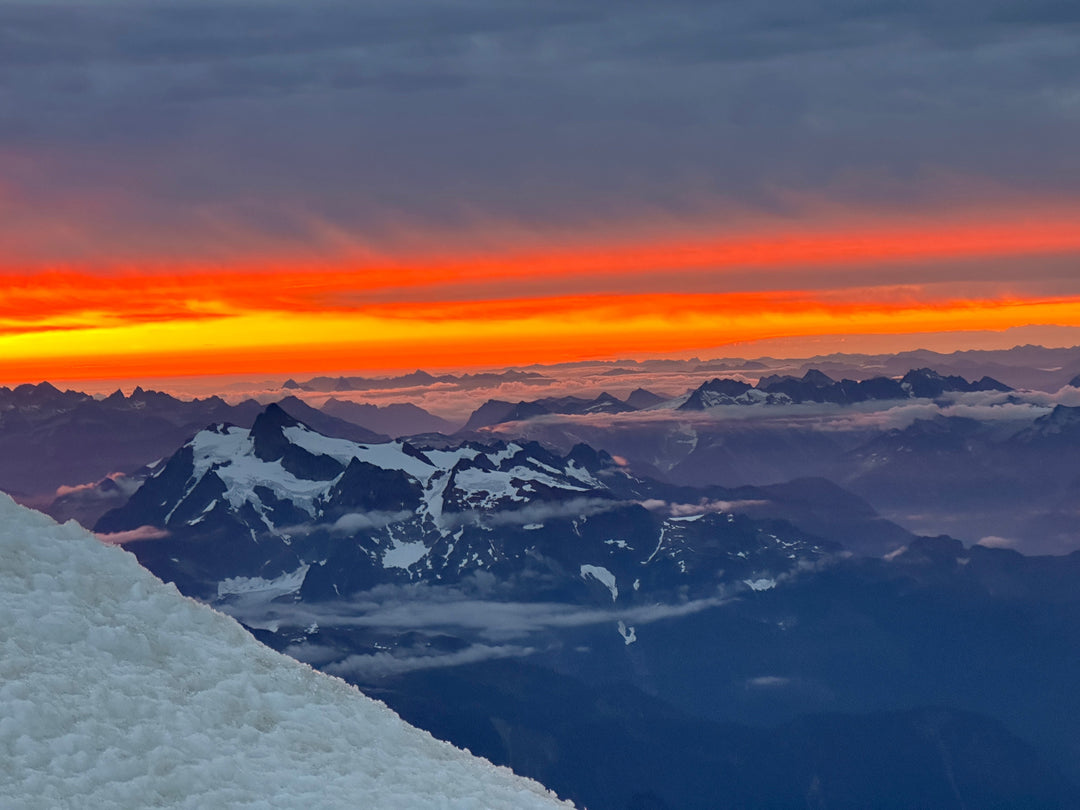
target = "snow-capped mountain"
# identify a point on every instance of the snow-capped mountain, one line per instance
(75, 439)
(120, 693)
(816, 386)
(335, 517)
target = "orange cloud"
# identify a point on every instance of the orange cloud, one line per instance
(461, 310)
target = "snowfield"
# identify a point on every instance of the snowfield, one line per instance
(118, 692)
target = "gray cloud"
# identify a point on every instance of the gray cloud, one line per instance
(380, 665)
(541, 511)
(231, 119)
(437, 610)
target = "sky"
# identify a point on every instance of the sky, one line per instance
(237, 187)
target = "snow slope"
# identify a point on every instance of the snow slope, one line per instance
(117, 692)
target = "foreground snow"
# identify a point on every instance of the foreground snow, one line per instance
(118, 692)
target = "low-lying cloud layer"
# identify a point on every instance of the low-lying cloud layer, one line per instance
(436, 610)
(131, 535)
(381, 665)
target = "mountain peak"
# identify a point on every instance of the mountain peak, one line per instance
(267, 433)
(641, 398)
(818, 378)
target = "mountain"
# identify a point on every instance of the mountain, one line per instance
(328, 423)
(928, 384)
(641, 398)
(118, 692)
(816, 386)
(1006, 479)
(395, 419)
(495, 411)
(416, 379)
(74, 438)
(283, 500)
(1023, 366)
(629, 641)
(717, 392)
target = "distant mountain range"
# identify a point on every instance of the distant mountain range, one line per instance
(814, 386)
(51, 438)
(395, 419)
(1025, 366)
(416, 379)
(496, 411)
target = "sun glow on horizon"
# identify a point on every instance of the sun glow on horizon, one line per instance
(531, 306)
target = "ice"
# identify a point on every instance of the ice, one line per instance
(603, 576)
(117, 692)
(402, 555)
(317, 444)
(279, 586)
(230, 453)
(391, 456)
(582, 475)
(493, 484)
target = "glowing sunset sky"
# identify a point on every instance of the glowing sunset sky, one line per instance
(237, 187)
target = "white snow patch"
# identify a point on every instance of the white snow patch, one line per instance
(582, 475)
(341, 449)
(629, 634)
(120, 693)
(231, 455)
(289, 582)
(603, 576)
(402, 555)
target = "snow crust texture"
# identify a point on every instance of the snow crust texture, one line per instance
(118, 692)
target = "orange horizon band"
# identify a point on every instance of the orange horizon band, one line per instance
(463, 310)
(487, 333)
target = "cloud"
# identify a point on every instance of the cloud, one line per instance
(429, 609)
(130, 536)
(382, 664)
(360, 521)
(126, 484)
(705, 507)
(768, 682)
(993, 541)
(542, 511)
(351, 523)
(610, 113)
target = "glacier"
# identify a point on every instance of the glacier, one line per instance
(119, 692)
